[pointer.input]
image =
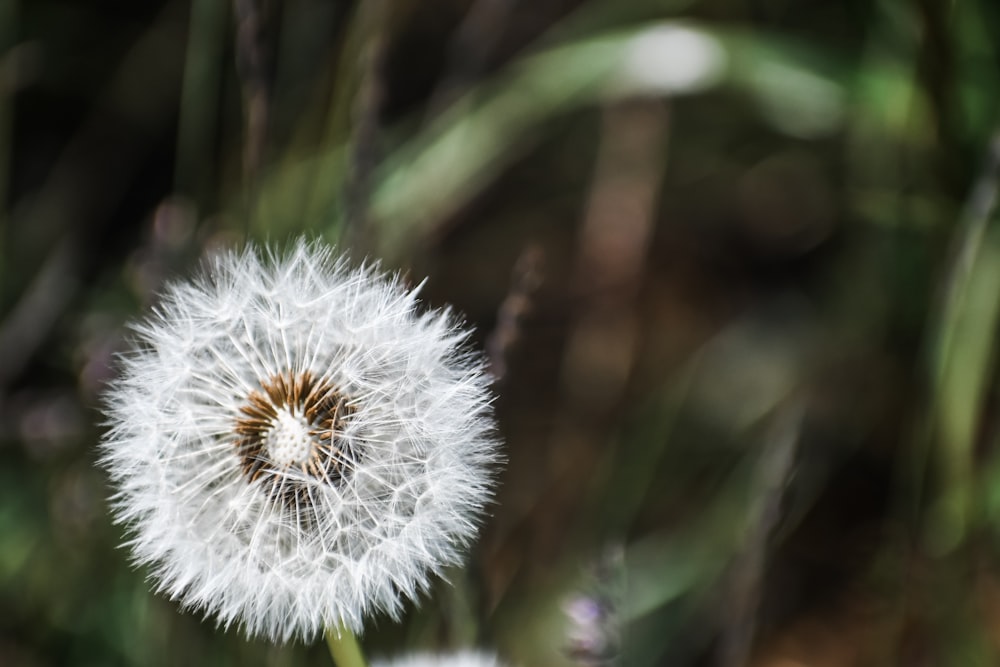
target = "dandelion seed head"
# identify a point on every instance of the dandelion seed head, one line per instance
(295, 444)
(289, 441)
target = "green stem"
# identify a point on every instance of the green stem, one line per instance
(344, 648)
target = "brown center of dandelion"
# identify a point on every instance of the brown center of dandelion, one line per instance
(295, 423)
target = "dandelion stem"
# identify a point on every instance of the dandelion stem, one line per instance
(344, 648)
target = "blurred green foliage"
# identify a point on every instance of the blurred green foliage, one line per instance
(736, 264)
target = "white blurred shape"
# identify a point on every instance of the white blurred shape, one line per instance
(671, 59)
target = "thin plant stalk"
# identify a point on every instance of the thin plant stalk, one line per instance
(344, 648)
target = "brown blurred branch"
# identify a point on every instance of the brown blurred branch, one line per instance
(612, 254)
(526, 277)
(603, 338)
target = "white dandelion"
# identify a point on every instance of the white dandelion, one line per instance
(294, 444)
(461, 659)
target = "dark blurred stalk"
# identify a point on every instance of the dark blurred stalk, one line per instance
(85, 186)
(8, 36)
(254, 55)
(200, 97)
(475, 41)
(365, 129)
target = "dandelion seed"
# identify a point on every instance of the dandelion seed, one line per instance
(294, 444)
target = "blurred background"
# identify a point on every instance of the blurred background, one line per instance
(735, 264)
